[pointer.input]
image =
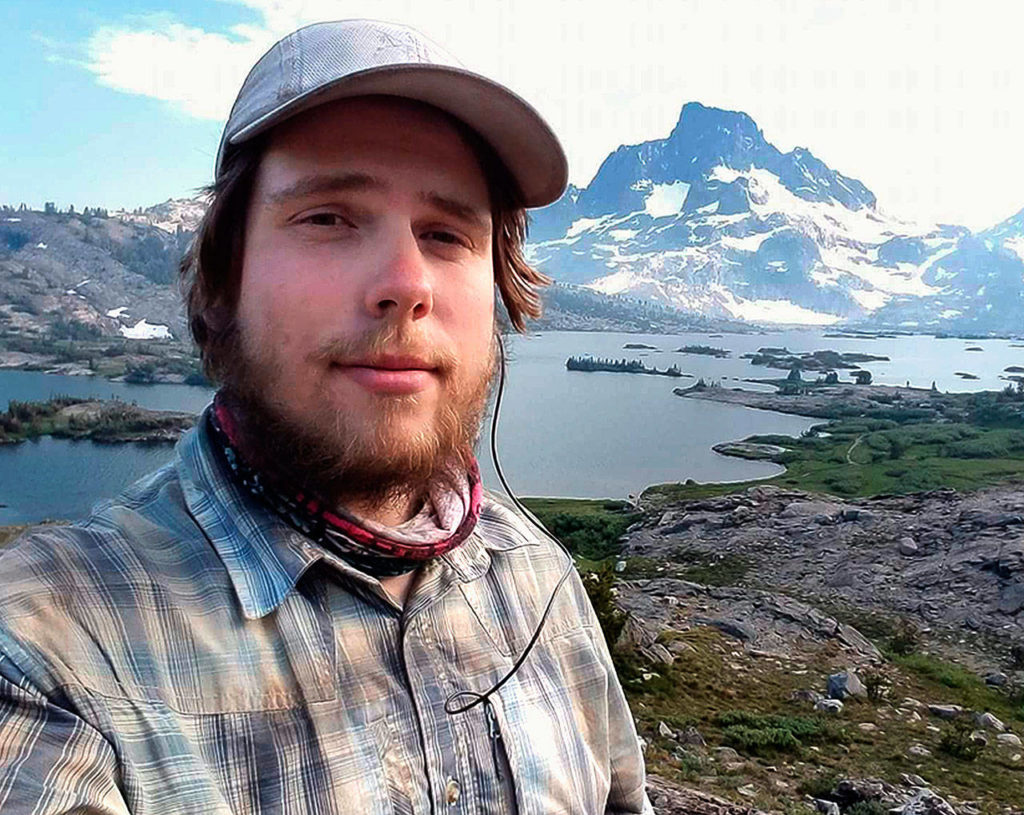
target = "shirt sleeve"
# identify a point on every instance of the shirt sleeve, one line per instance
(51, 760)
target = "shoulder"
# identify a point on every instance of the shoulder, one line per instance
(67, 592)
(510, 529)
(525, 554)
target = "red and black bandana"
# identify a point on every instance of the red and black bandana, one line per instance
(378, 551)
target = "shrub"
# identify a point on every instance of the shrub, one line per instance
(766, 734)
(904, 641)
(868, 808)
(591, 536)
(761, 740)
(876, 683)
(820, 786)
(600, 586)
(956, 741)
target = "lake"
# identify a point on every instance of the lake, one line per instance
(560, 432)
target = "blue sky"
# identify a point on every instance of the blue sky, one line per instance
(120, 104)
(67, 138)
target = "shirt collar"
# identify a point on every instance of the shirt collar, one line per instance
(265, 558)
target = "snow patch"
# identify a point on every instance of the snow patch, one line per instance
(1015, 245)
(117, 312)
(772, 311)
(724, 174)
(870, 299)
(581, 225)
(13, 220)
(615, 283)
(950, 312)
(144, 331)
(622, 234)
(666, 199)
(40, 245)
(751, 243)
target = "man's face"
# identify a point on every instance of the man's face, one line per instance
(366, 308)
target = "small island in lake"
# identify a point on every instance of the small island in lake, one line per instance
(828, 360)
(640, 346)
(704, 350)
(619, 366)
(109, 421)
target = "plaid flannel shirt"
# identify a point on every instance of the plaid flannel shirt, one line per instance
(184, 651)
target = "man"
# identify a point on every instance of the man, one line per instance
(316, 608)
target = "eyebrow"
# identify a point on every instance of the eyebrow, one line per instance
(319, 184)
(457, 209)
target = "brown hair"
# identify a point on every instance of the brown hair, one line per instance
(211, 270)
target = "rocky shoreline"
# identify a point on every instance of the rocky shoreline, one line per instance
(820, 402)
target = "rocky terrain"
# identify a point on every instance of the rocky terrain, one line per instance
(951, 561)
(884, 635)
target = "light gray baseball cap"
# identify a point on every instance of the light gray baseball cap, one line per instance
(335, 60)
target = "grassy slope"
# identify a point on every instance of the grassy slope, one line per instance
(866, 457)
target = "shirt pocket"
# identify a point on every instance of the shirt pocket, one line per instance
(553, 716)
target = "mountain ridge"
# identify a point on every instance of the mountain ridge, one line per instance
(716, 219)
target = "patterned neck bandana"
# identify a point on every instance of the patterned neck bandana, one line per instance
(446, 519)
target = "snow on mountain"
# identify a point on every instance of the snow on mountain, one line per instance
(978, 285)
(145, 331)
(717, 220)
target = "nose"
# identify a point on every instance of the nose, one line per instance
(401, 287)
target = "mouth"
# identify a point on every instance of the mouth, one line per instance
(389, 374)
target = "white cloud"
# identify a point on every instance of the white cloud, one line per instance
(196, 71)
(907, 96)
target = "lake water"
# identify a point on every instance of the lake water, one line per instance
(560, 432)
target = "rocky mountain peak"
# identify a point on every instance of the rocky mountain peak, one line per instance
(716, 136)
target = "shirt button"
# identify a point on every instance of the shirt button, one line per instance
(451, 792)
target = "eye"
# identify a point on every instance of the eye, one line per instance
(325, 219)
(443, 236)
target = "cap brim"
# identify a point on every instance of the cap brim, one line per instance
(516, 132)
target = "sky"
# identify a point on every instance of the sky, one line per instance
(120, 104)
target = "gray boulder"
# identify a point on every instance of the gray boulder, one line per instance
(945, 711)
(908, 547)
(733, 628)
(845, 684)
(989, 721)
(832, 706)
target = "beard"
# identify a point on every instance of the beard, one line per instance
(342, 458)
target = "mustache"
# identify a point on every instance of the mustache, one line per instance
(389, 341)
